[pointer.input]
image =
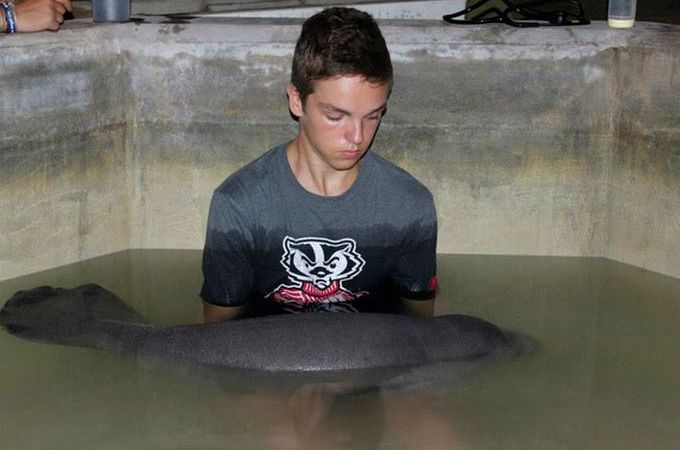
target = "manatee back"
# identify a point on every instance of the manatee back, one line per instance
(303, 342)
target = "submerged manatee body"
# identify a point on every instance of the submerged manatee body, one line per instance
(361, 348)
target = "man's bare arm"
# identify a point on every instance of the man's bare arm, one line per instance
(418, 308)
(213, 313)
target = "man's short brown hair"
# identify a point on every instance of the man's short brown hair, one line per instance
(339, 42)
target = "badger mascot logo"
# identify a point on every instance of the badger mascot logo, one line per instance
(317, 267)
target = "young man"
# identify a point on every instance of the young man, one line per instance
(320, 223)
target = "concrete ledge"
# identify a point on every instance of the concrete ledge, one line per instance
(561, 141)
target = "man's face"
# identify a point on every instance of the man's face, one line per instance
(338, 120)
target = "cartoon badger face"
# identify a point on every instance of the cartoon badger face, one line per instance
(321, 261)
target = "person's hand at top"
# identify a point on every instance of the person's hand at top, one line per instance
(37, 15)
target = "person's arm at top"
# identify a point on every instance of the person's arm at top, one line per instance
(36, 15)
(214, 313)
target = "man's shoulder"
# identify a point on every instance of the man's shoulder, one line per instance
(401, 182)
(254, 175)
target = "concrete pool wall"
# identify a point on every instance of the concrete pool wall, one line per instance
(562, 141)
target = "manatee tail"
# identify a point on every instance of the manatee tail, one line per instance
(88, 316)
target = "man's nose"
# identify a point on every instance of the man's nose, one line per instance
(355, 132)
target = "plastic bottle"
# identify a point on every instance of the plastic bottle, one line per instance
(621, 13)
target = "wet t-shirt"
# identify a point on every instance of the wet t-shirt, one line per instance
(276, 247)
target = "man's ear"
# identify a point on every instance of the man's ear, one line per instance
(294, 101)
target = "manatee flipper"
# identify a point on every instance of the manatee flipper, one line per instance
(521, 345)
(88, 315)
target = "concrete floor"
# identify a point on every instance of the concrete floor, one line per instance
(664, 11)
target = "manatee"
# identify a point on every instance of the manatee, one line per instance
(361, 349)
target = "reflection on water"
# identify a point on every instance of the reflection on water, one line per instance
(606, 375)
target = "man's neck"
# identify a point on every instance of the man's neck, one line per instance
(315, 177)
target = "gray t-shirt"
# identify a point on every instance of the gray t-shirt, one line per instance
(275, 246)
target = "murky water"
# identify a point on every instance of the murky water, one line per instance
(607, 375)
